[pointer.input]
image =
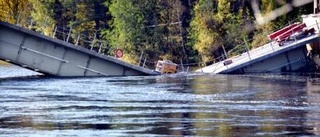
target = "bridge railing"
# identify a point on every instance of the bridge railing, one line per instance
(244, 52)
(70, 35)
(65, 33)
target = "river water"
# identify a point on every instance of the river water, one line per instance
(173, 105)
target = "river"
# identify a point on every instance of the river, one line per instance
(172, 105)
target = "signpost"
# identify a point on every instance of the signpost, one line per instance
(118, 53)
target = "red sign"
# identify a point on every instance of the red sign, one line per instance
(118, 53)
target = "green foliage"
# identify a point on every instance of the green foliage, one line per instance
(147, 26)
(177, 30)
(127, 23)
(85, 18)
(214, 27)
(267, 6)
(42, 14)
(261, 32)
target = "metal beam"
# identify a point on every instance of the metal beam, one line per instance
(55, 57)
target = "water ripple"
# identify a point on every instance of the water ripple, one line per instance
(187, 105)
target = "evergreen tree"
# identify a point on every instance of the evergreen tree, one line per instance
(151, 27)
(127, 25)
(82, 17)
(215, 27)
(177, 30)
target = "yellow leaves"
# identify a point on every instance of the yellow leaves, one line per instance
(4, 15)
(85, 26)
(13, 11)
(204, 41)
(207, 42)
(81, 15)
(48, 30)
(260, 38)
(223, 10)
(210, 27)
(41, 15)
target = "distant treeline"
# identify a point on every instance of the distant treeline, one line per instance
(185, 31)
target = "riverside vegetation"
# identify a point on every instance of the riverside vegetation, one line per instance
(186, 31)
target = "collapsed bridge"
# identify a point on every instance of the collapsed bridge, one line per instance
(54, 57)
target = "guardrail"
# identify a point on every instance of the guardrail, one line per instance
(268, 48)
(67, 34)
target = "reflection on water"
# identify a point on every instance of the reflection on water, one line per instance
(195, 105)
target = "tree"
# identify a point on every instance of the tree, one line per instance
(42, 14)
(169, 19)
(185, 18)
(267, 6)
(152, 27)
(177, 30)
(225, 24)
(14, 11)
(126, 26)
(83, 18)
(215, 25)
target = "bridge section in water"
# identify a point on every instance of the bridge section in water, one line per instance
(51, 56)
(269, 58)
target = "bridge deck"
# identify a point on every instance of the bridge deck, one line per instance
(259, 54)
(51, 56)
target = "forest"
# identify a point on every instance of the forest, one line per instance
(184, 31)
